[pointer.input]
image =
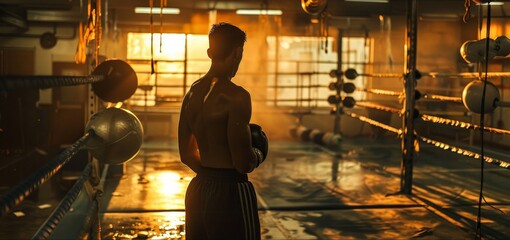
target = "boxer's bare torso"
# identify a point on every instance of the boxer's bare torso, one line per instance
(215, 115)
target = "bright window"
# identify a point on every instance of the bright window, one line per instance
(179, 59)
(295, 73)
(171, 47)
(300, 67)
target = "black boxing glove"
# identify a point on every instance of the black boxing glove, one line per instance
(259, 142)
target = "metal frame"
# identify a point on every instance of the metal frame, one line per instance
(409, 139)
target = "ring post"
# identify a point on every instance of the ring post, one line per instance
(408, 138)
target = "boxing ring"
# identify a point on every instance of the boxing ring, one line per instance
(112, 136)
(479, 96)
(324, 186)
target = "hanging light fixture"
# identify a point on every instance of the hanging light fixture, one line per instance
(314, 7)
(258, 12)
(147, 10)
(369, 1)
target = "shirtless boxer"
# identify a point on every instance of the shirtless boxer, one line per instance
(217, 141)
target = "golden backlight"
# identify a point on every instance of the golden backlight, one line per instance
(282, 78)
(179, 59)
(167, 46)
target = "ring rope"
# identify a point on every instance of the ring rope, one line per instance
(60, 211)
(469, 75)
(442, 98)
(460, 124)
(427, 95)
(19, 82)
(385, 75)
(435, 119)
(375, 123)
(435, 143)
(381, 92)
(25, 188)
(465, 152)
(378, 107)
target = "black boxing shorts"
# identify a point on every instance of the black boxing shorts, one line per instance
(221, 204)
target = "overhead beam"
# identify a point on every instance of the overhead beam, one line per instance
(53, 16)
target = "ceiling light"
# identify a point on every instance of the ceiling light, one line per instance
(369, 1)
(258, 12)
(494, 3)
(147, 10)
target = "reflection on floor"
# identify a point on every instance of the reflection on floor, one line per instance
(309, 192)
(305, 192)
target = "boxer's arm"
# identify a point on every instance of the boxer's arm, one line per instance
(238, 130)
(188, 148)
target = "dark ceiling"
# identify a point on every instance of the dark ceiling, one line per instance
(16, 15)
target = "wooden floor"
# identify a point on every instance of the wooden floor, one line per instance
(308, 191)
